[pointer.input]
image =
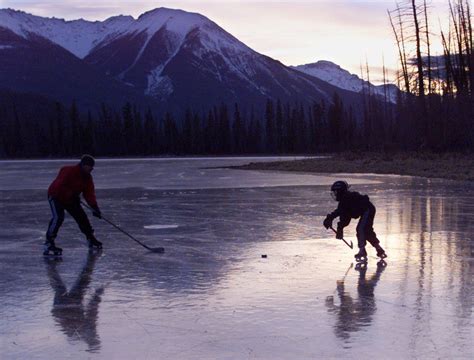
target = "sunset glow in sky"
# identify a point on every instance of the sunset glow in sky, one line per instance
(298, 32)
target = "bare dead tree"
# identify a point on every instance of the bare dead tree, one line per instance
(428, 46)
(419, 59)
(448, 66)
(470, 47)
(400, 40)
(459, 57)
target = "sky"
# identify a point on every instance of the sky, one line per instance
(346, 32)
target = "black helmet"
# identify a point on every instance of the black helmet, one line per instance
(87, 160)
(338, 189)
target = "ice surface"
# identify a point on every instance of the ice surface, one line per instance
(212, 295)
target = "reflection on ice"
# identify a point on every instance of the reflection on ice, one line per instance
(76, 319)
(352, 314)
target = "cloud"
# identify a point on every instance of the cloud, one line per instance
(69, 10)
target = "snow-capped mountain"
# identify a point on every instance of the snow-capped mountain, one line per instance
(77, 36)
(337, 76)
(175, 58)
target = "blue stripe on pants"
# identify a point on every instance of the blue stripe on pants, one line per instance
(56, 220)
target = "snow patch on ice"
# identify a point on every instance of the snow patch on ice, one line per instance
(159, 227)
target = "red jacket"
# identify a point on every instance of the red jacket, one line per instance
(70, 183)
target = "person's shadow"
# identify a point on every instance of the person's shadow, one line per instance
(76, 319)
(352, 314)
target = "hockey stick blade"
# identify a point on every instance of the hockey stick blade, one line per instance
(350, 245)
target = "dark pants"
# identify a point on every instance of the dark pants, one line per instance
(75, 210)
(365, 229)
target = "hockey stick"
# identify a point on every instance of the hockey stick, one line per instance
(351, 245)
(155, 250)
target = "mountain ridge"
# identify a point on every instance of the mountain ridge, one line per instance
(170, 57)
(337, 76)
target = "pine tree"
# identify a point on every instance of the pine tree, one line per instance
(89, 135)
(75, 147)
(209, 143)
(224, 130)
(53, 147)
(150, 134)
(237, 131)
(270, 126)
(279, 127)
(171, 137)
(335, 119)
(188, 132)
(18, 146)
(128, 133)
(198, 138)
(137, 141)
(59, 130)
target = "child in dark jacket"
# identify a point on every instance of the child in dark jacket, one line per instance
(354, 205)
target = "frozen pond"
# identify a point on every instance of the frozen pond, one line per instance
(212, 295)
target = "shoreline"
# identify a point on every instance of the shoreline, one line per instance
(451, 166)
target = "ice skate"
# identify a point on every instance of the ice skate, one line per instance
(361, 256)
(381, 252)
(94, 244)
(50, 249)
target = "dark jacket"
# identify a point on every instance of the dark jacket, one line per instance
(70, 183)
(352, 205)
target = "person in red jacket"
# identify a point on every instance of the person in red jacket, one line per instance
(63, 194)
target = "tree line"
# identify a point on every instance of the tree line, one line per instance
(56, 130)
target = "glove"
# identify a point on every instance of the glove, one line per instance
(339, 233)
(327, 222)
(96, 212)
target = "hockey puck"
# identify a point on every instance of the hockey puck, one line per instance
(264, 256)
